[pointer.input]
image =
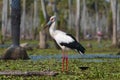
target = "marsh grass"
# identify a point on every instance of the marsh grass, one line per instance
(96, 71)
(109, 70)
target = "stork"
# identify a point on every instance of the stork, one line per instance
(64, 40)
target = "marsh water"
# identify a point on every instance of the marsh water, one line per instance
(83, 58)
(98, 57)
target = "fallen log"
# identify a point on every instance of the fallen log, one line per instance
(28, 73)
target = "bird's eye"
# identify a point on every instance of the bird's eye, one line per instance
(52, 19)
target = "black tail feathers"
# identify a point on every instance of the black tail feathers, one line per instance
(80, 49)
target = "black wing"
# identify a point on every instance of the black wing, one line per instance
(74, 45)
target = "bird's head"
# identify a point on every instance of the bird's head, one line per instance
(51, 20)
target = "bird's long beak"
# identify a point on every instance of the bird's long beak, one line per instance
(47, 25)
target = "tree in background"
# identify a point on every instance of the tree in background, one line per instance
(23, 20)
(42, 34)
(84, 18)
(114, 16)
(35, 19)
(77, 21)
(70, 20)
(15, 51)
(110, 25)
(4, 20)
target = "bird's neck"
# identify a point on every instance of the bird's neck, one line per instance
(52, 29)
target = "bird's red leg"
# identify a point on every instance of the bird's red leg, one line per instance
(66, 57)
(63, 60)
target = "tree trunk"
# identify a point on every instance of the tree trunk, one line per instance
(16, 15)
(110, 27)
(97, 18)
(77, 22)
(84, 21)
(118, 22)
(23, 21)
(35, 23)
(44, 10)
(55, 11)
(9, 19)
(4, 19)
(70, 14)
(114, 15)
(42, 43)
(15, 51)
(42, 34)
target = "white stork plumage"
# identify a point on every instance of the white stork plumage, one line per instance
(64, 40)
